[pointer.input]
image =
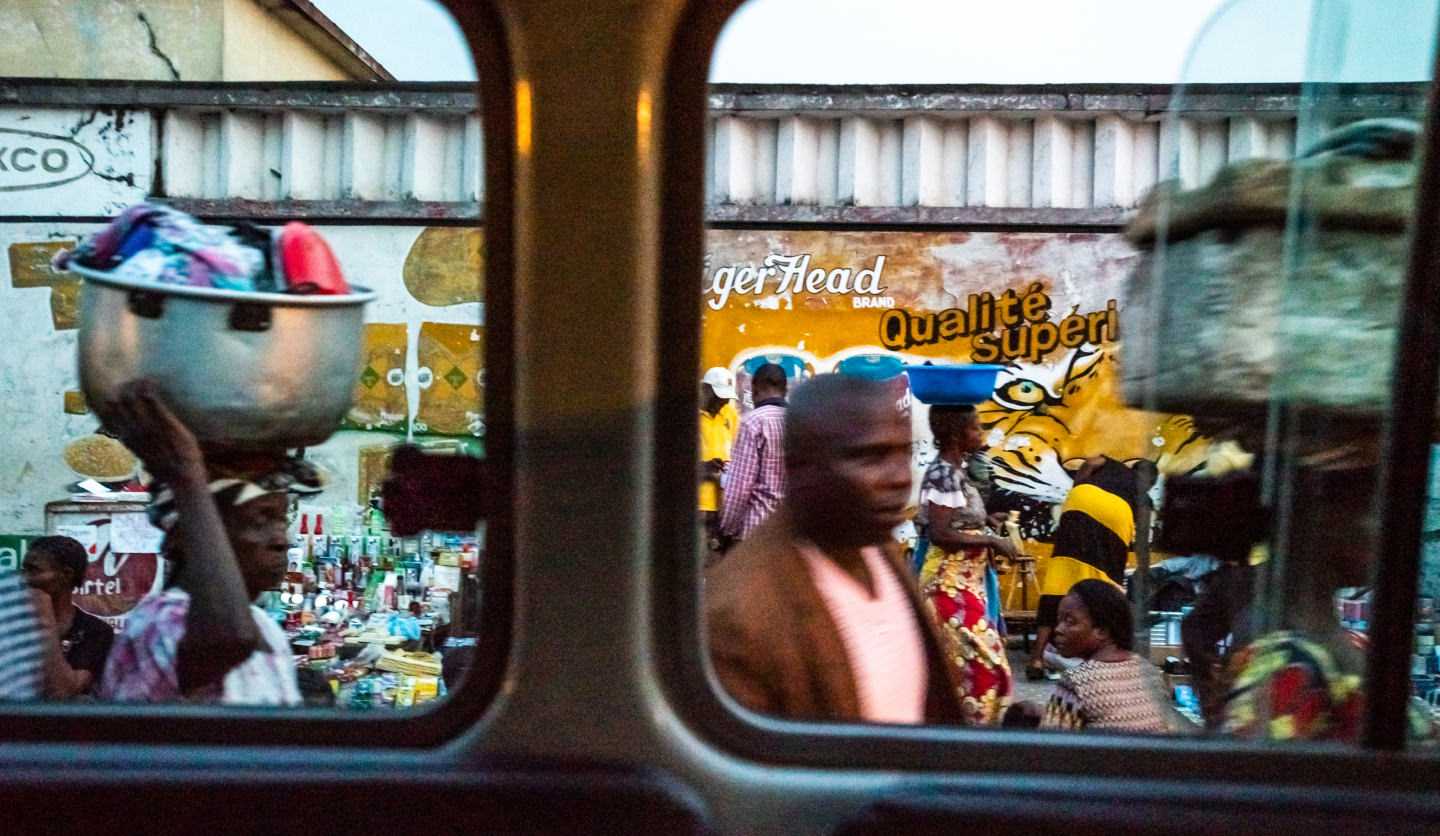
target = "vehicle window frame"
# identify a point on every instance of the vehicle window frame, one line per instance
(446, 719)
(682, 663)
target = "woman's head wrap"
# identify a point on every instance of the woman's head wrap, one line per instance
(293, 475)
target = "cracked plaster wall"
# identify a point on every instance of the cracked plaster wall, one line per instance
(155, 40)
(112, 39)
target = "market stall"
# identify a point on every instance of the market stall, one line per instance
(369, 614)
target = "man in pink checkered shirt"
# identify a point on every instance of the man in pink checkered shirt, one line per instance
(755, 478)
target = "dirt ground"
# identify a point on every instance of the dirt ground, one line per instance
(1036, 692)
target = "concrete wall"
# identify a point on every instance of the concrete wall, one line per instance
(258, 46)
(1055, 404)
(995, 155)
(373, 168)
(241, 152)
(35, 425)
(274, 154)
(156, 40)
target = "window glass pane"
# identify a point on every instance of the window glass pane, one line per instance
(296, 266)
(1324, 290)
(1160, 279)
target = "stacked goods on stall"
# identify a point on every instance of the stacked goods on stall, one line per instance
(361, 606)
(280, 330)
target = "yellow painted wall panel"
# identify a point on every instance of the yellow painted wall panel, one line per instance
(451, 375)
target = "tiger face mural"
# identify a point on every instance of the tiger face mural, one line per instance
(1044, 420)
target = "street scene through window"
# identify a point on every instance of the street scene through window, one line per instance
(238, 283)
(1032, 393)
(1061, 405)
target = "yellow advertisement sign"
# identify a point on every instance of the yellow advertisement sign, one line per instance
(380, 399)
(451, 379)
(1044, 306)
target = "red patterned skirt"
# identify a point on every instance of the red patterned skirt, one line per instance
(955, 597)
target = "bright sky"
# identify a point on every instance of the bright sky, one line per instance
(981, 41)
(960, 41)
(859, 41)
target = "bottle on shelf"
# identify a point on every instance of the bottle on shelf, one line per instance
(341, 561)
(307, 543)
(374, 515)
(322, 543)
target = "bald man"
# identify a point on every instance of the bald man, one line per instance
(813, 617)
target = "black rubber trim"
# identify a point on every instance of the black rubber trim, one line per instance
(1409, 432)
(491, 796)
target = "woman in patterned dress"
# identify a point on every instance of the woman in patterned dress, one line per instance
(952, 521)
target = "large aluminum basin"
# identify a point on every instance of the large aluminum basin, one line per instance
(245, 371)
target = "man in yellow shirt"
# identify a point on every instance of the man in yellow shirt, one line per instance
(718, 423)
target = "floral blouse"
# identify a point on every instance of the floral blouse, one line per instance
(946, 485)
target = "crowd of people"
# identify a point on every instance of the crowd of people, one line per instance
(814, 611)
(201, 639)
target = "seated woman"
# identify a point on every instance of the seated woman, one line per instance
(201, 639)
(54, 566)
(1113, 689)
(458, 640)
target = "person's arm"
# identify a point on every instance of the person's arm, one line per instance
(220, 631)
(740, 478)
(732, 646)
(58, 680)
(948, 539)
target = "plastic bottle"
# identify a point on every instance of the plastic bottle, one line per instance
(322, 543)
(374, 519)
(308, 567)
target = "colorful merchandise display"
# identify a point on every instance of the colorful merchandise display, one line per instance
(362, 607)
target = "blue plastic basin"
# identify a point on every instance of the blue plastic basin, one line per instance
(794, 366)
(953, 384)
(871, 366)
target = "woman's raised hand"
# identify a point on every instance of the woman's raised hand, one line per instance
(143, 423)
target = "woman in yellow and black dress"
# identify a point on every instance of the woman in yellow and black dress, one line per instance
(1092, 541)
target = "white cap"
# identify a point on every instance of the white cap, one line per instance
(720, 380)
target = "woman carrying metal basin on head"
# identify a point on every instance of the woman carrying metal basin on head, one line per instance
(211, 353)
(957, 579)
